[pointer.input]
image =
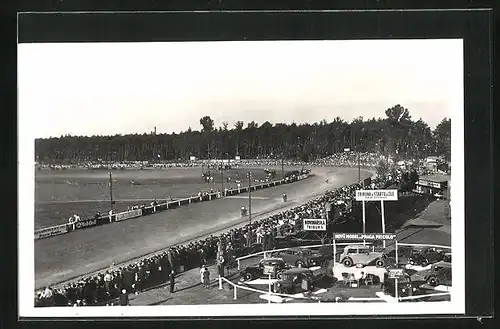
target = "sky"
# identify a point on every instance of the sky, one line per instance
(122, 88)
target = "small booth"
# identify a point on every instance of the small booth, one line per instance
(436, 185)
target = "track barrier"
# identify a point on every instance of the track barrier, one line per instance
(91, 222)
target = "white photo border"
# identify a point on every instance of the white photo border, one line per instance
(26, 279)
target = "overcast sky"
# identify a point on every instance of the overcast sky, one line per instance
(120, 88)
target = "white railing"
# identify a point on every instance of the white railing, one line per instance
(237, 286)
(425, 296)
(423, 245)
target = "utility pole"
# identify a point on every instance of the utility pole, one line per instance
(282, 168)
(359, 169)
(249, 197)
(111, 190)
(222, 179)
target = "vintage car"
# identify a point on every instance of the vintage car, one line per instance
(298, 279)
(427, 256)
(406, 287)
(273, 266)
(362, 255)
(300, 257)
(438, 274)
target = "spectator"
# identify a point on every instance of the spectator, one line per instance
(172, 281)
(124, 301)
(206, 277)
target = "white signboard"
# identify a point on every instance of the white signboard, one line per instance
(268, 270)
(237, 157)
(347, 149)
(314, 224)
(366, 236)
(192, 158)
(376, 195)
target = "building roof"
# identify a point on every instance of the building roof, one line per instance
(436, 178)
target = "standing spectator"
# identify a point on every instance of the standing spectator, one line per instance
(220, 265)
(124, 301)
(202, 270)
(172, 281)
(107, 282)
(206, 277)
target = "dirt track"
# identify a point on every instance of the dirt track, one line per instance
(67, 256)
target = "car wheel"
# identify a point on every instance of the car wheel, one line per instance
(380, 263)
(347, 262)
(433, 281)
(279, 275)
(425, 262)
(248, 276)
(411, 262)
(300, 264)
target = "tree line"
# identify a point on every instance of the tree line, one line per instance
(396, 134)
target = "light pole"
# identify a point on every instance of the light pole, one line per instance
(111, 190)
(249, 174)
(282, 167)
(222, 179)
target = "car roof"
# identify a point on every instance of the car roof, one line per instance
(272, 259)
(297, 270)
(357, 246)
(443, 264)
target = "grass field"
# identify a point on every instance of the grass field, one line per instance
(60, 194)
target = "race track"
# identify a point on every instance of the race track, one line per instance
(63, 257)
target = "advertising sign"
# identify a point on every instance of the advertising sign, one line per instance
(314, 224)
(347, 149)
(376, 195)
(237, 157)
(51, 231)
(192, 158)
(396, 273)
(128, 215)
(85, 223)
(366, 237)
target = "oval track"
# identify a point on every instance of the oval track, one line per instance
(67, 256)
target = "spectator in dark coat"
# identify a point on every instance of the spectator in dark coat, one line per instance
(172, 281)
(124, 301)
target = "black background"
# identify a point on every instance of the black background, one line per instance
(474, 26)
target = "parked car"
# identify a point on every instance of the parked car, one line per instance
(274, 266)
(300, 257)
(427, 256)
(362, 255)
(297, 280)
(406, 287)
(438, 274)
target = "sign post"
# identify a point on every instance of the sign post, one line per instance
(396, 273)
(364, 220)
(396, 282)
(383, 217)
(376, 195)
(269, 299)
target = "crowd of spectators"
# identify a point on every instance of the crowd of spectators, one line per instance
(350, 159)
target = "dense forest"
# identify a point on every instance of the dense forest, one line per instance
(396, 134)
